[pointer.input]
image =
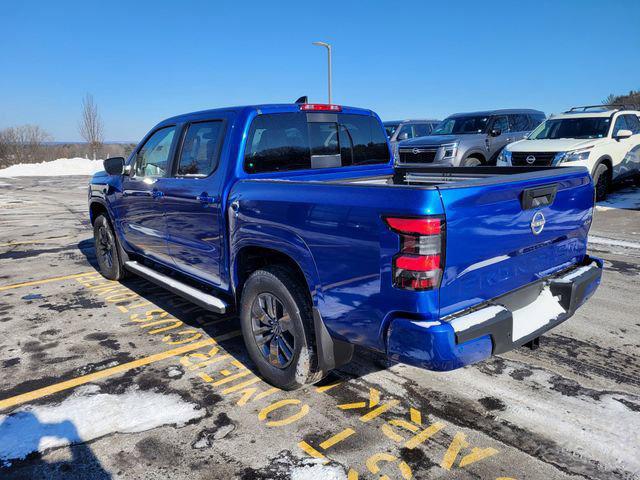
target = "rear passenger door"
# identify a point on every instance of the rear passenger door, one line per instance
(497, 143)
(192, 201)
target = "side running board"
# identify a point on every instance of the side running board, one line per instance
(200, 298)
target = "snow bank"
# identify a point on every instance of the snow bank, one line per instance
(87, 415)
(55, 168)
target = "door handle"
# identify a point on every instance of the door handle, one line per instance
(205, 198)
(155, 193)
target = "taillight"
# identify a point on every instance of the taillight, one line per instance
(320, 107)
(419, 264)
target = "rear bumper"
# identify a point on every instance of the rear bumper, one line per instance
(497, 326)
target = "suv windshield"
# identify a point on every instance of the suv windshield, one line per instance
(462, 125)
(390, 128)
(584, 127)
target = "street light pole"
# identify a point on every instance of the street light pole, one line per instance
(328, 47)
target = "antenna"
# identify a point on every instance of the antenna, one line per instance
(303, 99)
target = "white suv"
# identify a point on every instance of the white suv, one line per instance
(604, 139)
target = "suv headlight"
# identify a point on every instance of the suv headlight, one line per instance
(504, 159)
(449, 150)
(576, 155)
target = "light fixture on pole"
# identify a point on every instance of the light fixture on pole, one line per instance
(328, 47)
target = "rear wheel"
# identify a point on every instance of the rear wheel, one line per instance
(277, 326)
(106, 246)
(471, 162)
(602, 181)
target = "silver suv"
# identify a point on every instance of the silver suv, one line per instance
(469, 139)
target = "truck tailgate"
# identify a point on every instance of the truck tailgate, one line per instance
(504, 235)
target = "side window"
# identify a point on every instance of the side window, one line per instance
(422, 129)
(519, 122)
(633, 123)
(501, 123)
(620, 124)
(277, 142)
(200, 149)
(153, 158)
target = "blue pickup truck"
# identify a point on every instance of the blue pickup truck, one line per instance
(294, 218)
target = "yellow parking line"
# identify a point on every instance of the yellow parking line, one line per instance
(46, 280)
(107, 372)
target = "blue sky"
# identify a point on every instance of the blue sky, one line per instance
(144, 61)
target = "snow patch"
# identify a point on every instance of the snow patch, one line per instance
(612, 242)
(55, 168)
(627, 198)
(536, 315)
(87, 415)
(474, 318)
(318, 471)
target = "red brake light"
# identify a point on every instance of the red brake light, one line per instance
(419, 264)
(320, 107)
(422, 226)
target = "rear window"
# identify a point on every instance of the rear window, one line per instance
(297, 141)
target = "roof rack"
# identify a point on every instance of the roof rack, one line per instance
(602, 107)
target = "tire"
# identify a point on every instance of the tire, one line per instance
(471, 162)
(107, 252)
(285, 353)
(601, 181)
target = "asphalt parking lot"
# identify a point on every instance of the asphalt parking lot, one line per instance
(107, 380)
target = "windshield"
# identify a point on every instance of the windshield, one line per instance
(585, 127)
(462, 125)
(390, 128)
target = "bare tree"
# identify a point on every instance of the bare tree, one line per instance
(23, 144)
(90, 125)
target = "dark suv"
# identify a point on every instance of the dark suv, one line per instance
(470, 139)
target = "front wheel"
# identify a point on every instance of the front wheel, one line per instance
(602, 181)
(107, 253)
(471, 162)
(277, 326)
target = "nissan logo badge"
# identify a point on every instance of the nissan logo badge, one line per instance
(415, 151)
(537, 223)
(530, 159)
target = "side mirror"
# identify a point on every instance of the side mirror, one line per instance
(496, 132)
(403, 136)
(114, 165)
(620, 134)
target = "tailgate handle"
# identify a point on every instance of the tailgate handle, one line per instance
(539, 196)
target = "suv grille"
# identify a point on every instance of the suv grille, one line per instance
(418, 155)
(540, 159)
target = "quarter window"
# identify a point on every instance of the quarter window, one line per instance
(519, 122)
(153, 158)
(200, 149)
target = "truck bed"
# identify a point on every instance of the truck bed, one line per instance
(454, 177)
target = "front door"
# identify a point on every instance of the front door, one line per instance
(192, 201)
(140, 209)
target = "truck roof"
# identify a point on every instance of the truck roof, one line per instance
(267, 107)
